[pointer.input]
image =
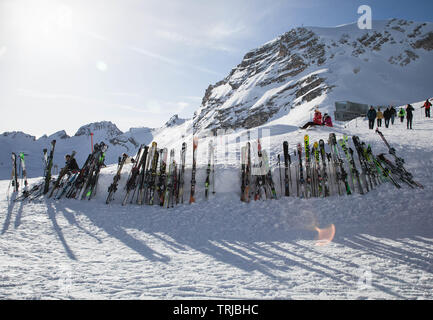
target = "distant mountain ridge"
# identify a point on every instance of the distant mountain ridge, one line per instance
(118, 142)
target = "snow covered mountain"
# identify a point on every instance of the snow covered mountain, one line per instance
(274, 85)
(310, 66)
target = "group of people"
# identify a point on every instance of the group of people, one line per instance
(318, 120)
(391, 113)
(388, 115)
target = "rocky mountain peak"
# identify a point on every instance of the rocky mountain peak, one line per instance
(174, 121)
(18, 135)
(310, 64)
(107, 126)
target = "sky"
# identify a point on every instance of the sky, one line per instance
(67, 63)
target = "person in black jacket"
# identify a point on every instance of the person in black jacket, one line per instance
(371, 115)
(409, 115)
(393, 114)
(72, 164)
(387, 116)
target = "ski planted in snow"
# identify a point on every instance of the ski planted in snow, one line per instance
(23, 169)
(113, 186)
(152, 177)
(208, 170)
(287, 174)
(194, 168)
(302, 187)
(340, 172)
(181, 178)
(131, 183)
(324, 157)
(49, 166)
(162, 175)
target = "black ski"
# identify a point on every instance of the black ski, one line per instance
(194, 168)
(113, 186)
(49, 166)
(287, 174)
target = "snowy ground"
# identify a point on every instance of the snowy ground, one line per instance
(225, 249)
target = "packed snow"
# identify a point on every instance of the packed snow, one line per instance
(223, 248)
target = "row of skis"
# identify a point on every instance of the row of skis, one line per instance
(79, 184)
(153, 180)
(317, 173)
(163, 184)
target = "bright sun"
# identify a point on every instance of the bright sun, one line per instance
(43, 26)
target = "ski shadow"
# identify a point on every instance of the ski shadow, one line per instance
(99, 218)
(8, 217)
(253, 240)
(397, 253)
(19, 214)
(51, 212)
(70, 217)
(404, 248)
(218, 238)
(350, 266)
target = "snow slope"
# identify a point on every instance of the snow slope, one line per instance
(222, 248)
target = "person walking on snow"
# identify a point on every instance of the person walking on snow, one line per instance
(427, 106)
(387, 116)
(393, 114)
(401, 114)
(379, 117)
(371, 115)
(409, 115)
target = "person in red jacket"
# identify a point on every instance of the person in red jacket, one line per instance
(327, 121)
(427, 106)
(317, 119)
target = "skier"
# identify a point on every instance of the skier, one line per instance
(327, 121)
(427, 106)
(371, 115)
(409, 115)
(387, 116)
(402, 114)
(379, 117)
(393, 114)
(73, 165)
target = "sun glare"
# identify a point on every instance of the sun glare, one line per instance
(44, 26)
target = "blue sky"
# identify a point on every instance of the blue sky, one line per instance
(65, 63)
